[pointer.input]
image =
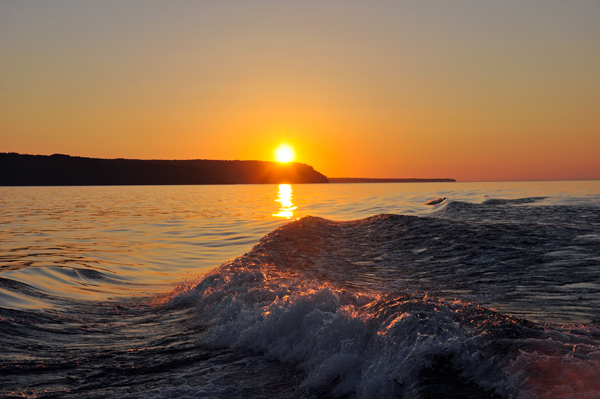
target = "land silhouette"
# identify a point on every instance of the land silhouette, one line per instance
(375, 180)
(64, 170)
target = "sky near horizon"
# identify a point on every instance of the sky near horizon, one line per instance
(469, 90)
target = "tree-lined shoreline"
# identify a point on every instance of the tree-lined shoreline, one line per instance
(65, 170)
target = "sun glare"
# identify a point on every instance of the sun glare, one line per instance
(284, 153)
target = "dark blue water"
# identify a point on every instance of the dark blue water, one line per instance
(490, 298)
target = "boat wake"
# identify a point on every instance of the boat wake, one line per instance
(492, 300)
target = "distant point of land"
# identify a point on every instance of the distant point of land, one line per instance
(371, 180)
(64, 170)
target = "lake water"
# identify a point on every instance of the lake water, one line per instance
(339, 290)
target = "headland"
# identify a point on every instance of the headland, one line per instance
(65, 170)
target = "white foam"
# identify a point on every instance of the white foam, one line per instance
(329, 334)
(375, 344)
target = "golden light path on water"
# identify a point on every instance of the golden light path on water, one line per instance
(284, 197)
(97, 242)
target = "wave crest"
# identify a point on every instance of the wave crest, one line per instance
(283, 300)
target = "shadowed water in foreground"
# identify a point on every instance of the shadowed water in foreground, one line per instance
(497, 299)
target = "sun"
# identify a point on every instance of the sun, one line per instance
(284, 153)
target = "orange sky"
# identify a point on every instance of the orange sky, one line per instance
(468, 90)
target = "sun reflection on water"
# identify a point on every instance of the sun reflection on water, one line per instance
(284, 197)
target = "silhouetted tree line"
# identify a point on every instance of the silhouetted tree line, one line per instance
(64, 170)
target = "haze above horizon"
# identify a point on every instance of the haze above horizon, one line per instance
(468, 90)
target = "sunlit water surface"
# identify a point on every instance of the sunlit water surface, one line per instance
(526, 249)
(146, 238)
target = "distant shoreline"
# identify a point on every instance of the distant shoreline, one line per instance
(375, 180)
(65, 170)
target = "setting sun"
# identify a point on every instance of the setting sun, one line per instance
(284, 153)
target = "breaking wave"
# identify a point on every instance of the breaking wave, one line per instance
(316, 294)
(473, 301)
